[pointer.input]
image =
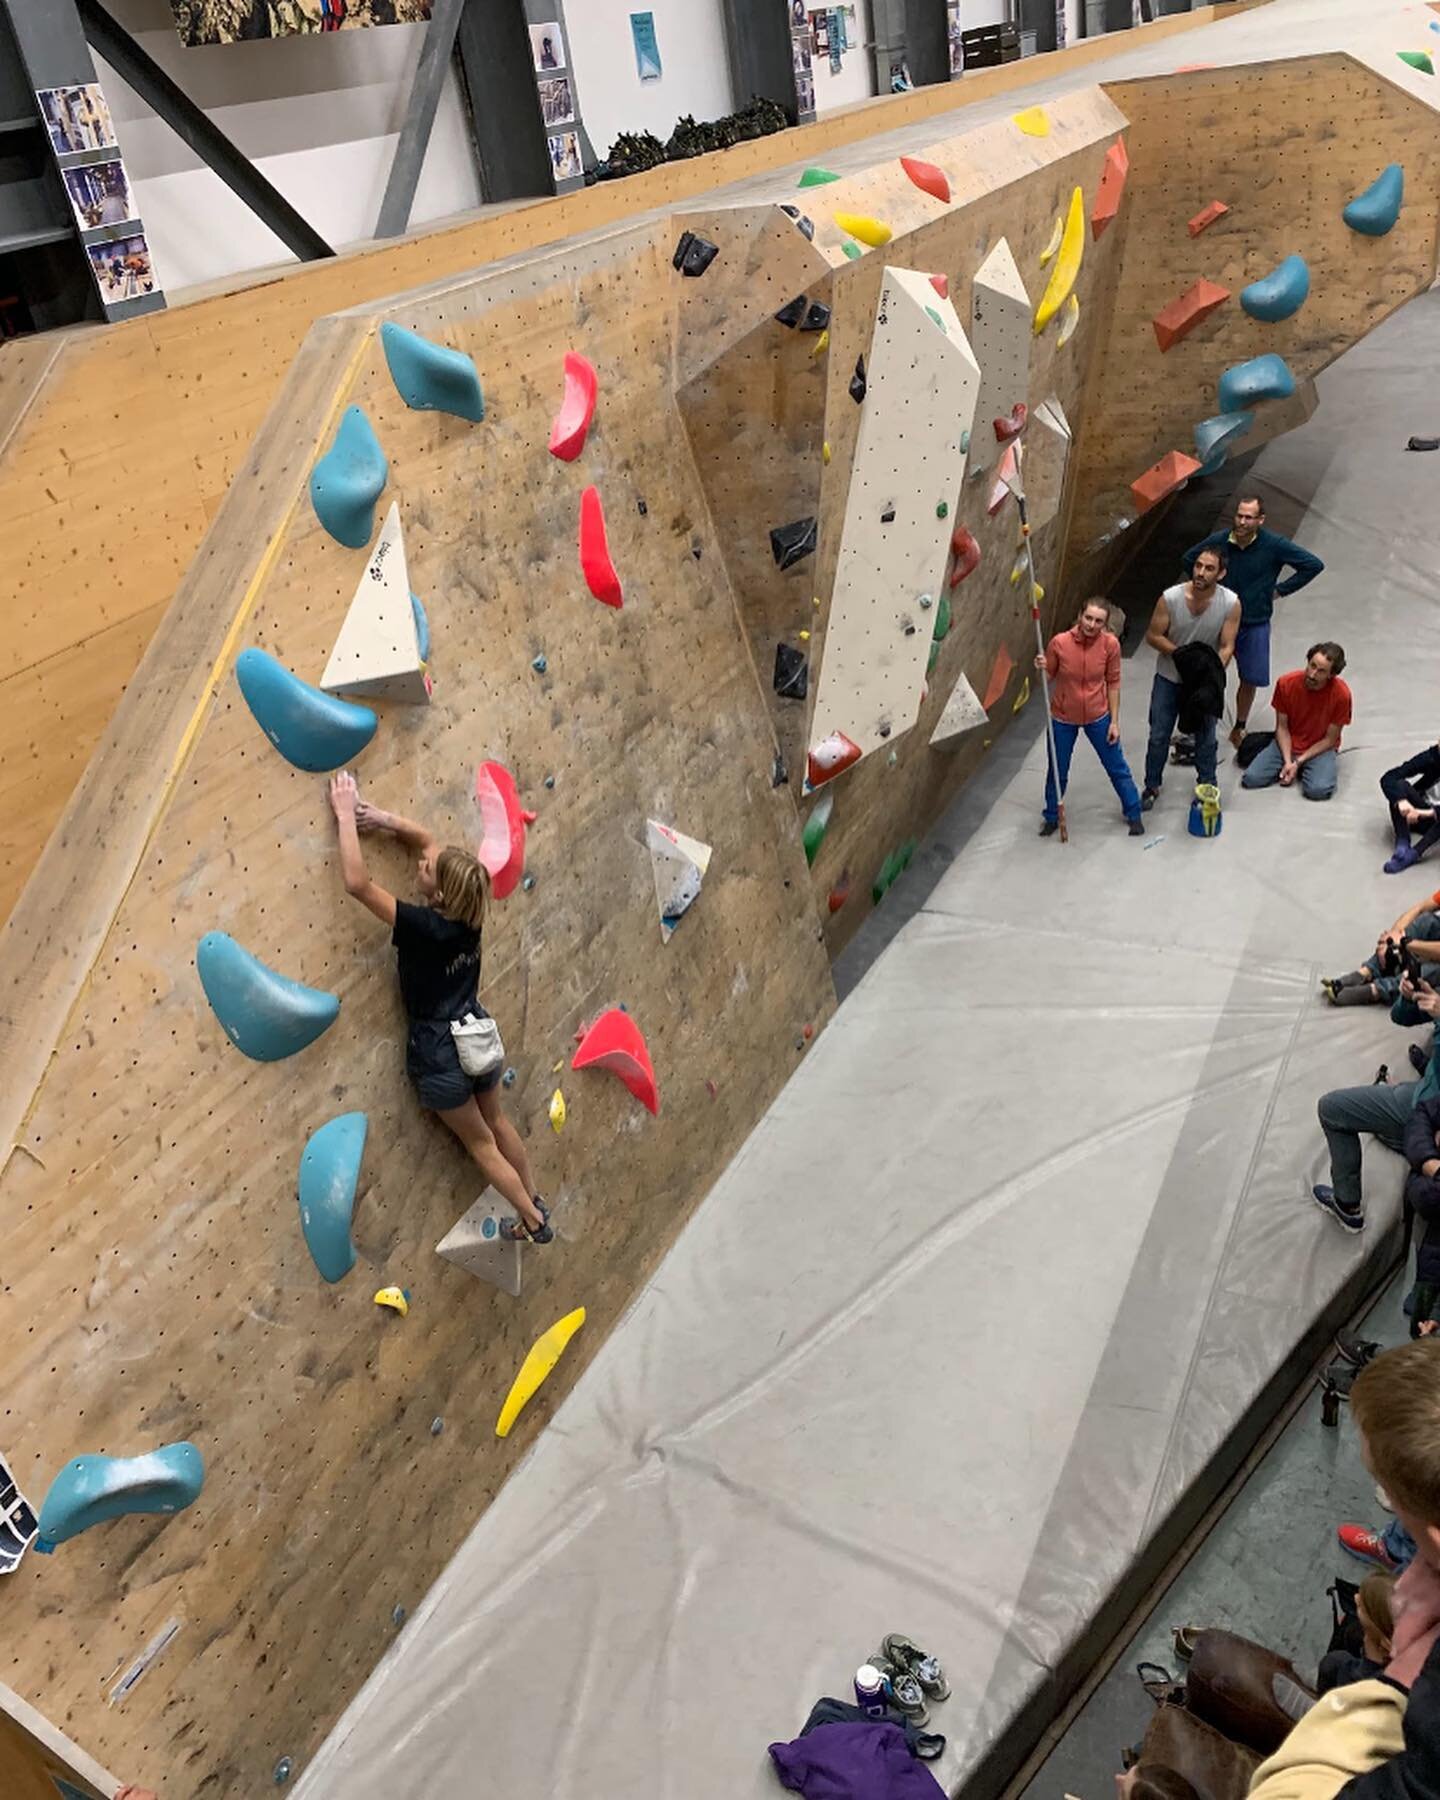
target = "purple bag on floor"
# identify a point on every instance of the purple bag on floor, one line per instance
(863, 1761)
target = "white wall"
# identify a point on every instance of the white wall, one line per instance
(319, 116)
(975, 13)
(856, 80)
(690, 35)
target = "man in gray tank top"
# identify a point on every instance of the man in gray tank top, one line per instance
(1198, 611)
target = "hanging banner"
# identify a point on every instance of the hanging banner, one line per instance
(235, 21)
(647, 50)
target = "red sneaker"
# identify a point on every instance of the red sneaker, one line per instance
(1368, 1546)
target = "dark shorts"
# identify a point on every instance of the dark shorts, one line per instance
(1252, 654)
(433, 1063)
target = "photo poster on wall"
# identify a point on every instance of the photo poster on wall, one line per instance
(957, 42)
(547, 47)
(838, 45)
(647, 49)
(237, 21)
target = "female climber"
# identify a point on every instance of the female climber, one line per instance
(438, 947)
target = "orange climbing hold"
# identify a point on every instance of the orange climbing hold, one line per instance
(577, 408)
(926, 176)
(831, 757)
(966, 553)
(502, 828)
(595, 563)
(1173, 470)
(941, 285)
(1000, 674)
(614, 1042)
(1207, 216)
(1013, 425)
(1180, 317)
(840, 893)
(1112, 189)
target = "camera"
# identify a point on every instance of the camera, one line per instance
(1400, 959)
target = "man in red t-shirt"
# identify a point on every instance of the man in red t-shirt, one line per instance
(1312, 708)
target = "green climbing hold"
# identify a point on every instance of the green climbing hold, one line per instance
(942, 509)
(817, 177)
(933, 658)
(964, 442)
(851, 250)
(938, 320)
(818, 824)
(942, 619)
(893, 867)
(1417, 59)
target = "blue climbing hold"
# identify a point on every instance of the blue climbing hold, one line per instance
(1282, 292)
(91, 1489)
(329, 1175)
(1374, 212)
(1215, 438)
(314, 731)
(266, 1015)
(422, 628)
(1262, 378)
(432, 377)
(348, 480)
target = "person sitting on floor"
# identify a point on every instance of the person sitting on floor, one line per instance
(1411, 790)
(1377, 980)
(1312, 708)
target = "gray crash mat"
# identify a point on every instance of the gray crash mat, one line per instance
(994, 1286)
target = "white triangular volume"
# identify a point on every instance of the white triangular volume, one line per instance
(895, 539)
(474, 1244)
(1052, 413)
(1001, 328)
(963, 712)
(678, 864)
(377, 651)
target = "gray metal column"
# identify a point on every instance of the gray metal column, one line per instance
(757, 38)
(436, 50)
(497, 70)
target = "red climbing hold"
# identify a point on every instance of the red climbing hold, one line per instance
(1112, 189)
(926, 176)
(1182, 315)
(840, 893)
(502, 827)
(966, 552)
(1005, 429)
(577, 409)
(614, 1042)
(941, 285)
(1206, 217)
(831, 757)
(595, 563)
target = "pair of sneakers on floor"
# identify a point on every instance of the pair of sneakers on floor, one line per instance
(911, 1677)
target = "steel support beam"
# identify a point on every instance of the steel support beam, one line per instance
(498, 72)
(436, 50)
(188, 122)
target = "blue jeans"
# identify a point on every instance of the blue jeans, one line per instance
(1164, 715)
(1317, 776)
(1112, 761)
(1398, 1541)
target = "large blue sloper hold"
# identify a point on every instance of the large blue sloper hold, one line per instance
(1262, 378)
(432, 377)
(1280, 293)
(1374, 212)
(265, 1015)
(348, 479)
(91, 1489)
(1216, 438)
(311, 729)
(329, 1175)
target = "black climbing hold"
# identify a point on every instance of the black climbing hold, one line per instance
(397, 1616)
(284, 1769)
(693, 255)
(539, 664)
(779, 774)
(857, 381)
(807, 228)
(885, 729)
(508, 1078)
(818, 317)
(549, 781)
(528, 883)
(644, 509)
(792, 673)
(697, 551)
(910, 628)
(792, 543)
(791, 313)
(888, 516)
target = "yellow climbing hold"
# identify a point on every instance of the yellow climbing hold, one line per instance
(1038, 592)
(1069, 322)
(821, 345)
(804, 637)
(1048, 253)
(395, 1298)
(1034, 121)
(1022, 696)
(557, 1110)
(1067, 263)
(541, 1358)
(1019, 569)
(861, 225)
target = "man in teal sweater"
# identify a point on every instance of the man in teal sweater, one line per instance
(1254, 558)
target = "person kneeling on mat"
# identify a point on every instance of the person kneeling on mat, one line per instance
(1082, 667)
(438, 947)
(1312, 707)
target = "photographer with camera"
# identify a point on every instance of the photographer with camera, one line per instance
(1379, 1109)
(1407, 947)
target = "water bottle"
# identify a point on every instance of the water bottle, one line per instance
(870, 1694)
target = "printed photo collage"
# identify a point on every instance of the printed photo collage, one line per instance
(82, 136)
(553, 79)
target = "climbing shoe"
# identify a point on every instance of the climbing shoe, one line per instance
(1351, 1217)
(1356, 1351)
(926, 1669)
(1137, 827)
(1148, 798)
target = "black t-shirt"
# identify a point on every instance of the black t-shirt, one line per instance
(439, 962)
